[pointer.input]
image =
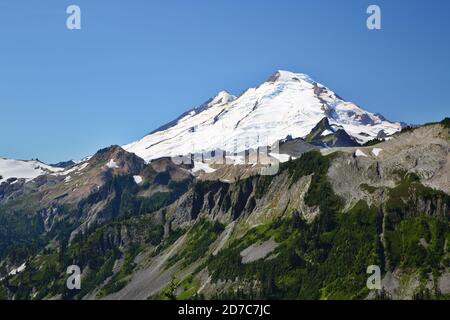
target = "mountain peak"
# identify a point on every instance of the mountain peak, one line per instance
(324, 135)
(222, 97)
(324, 123)
(286, 76)
(322, 127)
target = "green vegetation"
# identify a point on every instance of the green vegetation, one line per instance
(368, 188)
(189, 288)
(309, 163)
(185, 289)
(20, 235)
(3, 293)
(120, 279)
(155, 202)
(262, 186)
(200, 237)
(327, 259)
(408, 129)
(446, 123)
(310, 262)
(406, 198)
(22, 230)
(418, 242)
(320, 192)
(415, 231)
(372, 142)
(95, 252)
(98, 273)
(168, 241)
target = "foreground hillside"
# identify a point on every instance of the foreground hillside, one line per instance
(154, 231)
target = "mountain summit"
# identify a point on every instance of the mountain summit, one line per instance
(288, 104)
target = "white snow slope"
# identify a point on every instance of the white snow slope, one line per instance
(23, 169)
(287, 104)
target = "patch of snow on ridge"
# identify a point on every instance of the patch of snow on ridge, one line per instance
(112, 164)
(202, 166)
(235, 159)
(18, 270)
(281, 156)
(27, 170)
(75, 169)
(359, 153)
(83, 166)
(376, 151)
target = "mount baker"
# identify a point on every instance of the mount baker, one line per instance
(287, 105)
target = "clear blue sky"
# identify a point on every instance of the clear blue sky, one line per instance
(138, 64)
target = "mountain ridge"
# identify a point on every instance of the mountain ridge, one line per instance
(153, 230)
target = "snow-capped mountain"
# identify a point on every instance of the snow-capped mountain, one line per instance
(21, 169)
(288, 104)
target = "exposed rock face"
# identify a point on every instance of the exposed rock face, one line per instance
(424, 151)
(125, 162)
(227, 202)
(64, 164)
(295, 147)
(258, 251)
(10, 188)
(325, 135)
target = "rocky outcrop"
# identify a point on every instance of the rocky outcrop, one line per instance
(325, 135)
